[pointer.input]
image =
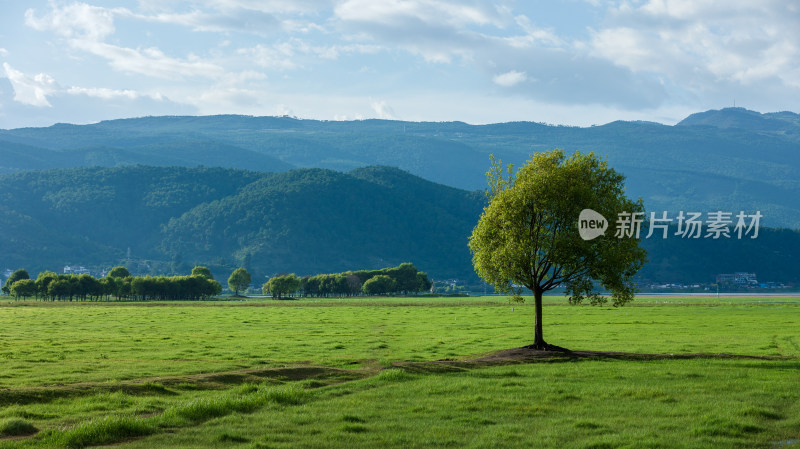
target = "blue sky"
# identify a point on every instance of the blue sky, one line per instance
(575, 62)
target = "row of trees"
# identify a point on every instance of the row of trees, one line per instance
(118, 284)
(404, 278)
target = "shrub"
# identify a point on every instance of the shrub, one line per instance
(393, 375)
(13, 427)
(108, 429)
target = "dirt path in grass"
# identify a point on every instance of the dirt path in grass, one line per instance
(170, 385)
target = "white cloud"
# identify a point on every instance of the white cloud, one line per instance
(505, 48)
(227, 100)
(279, 57)
(150, 61)
(509, 79)
(699, 44)
(260, 17)
(293, 53)
(77, 21)
(86, 27)
(30, 90)
(388, 12)
(105, 93)
(334, 51)
(624, 56)
(627, 47)
(35, 90)
(438, 31)
(533, 35)
(283, 111)
(383, 110)
(243, 77)
(300, 26)
(240, 20)
(269, 6)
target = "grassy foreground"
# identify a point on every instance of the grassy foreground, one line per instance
(260, 373)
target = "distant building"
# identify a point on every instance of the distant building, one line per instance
(741, 278)
(75, 270)
(725, 279)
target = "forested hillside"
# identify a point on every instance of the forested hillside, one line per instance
(774, 256)
(731, 159)
(305, 221)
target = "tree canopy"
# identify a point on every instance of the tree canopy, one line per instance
(17, 275)
(23, 288)
(119, 272)
(379, 285)
(278, 286)
(202, 271)
(528, 234)
(239, 280)
(52, 286)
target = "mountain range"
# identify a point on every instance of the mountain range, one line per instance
(731, 159)
(278, 194)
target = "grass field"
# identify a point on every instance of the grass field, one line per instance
(357, 373)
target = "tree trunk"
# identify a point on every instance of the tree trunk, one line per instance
(538, 340)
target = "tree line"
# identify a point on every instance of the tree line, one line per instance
(404, 279)
(200, 284)
(118, 283)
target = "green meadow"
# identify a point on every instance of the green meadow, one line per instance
(399, 372)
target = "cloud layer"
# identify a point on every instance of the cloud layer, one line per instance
(482, 61)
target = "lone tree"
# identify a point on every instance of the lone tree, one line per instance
(528, 234)
(239, 280)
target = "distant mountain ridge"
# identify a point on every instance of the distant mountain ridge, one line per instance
(774, 122)
(730, 159)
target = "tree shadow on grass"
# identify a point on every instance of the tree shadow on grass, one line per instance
(556, 354)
